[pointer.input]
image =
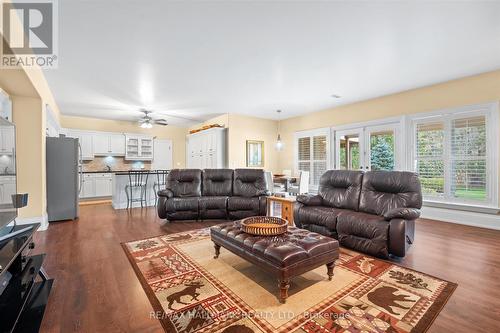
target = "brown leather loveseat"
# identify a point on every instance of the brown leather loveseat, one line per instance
(193, 194)
(372, 212)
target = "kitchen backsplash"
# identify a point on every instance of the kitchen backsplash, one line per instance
(116, 164)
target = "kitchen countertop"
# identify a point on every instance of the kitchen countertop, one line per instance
(122, 173)
(100, 171)
(116, 172)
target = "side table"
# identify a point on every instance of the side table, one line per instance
(287, 204)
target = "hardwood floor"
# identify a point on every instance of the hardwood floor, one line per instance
(96, 290)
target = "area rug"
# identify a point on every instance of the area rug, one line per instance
(191, 291)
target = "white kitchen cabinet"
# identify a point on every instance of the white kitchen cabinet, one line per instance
(85, 141)
(8, 138)
(103, 185)
(207, 149)
(107, 144)
(117, 144)
(94, 143)
(7, 188)
(138, 148)
(96, 185)
(101, 144)
(88, 186)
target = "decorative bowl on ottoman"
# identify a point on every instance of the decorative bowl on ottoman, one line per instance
(264, 225)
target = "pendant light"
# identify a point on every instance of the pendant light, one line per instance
(279, 144)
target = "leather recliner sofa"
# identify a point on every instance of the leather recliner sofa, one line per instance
(372, 212)
(193, 194)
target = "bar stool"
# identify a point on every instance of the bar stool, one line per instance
(137, 179)
(160, 183)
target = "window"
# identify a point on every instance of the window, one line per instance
(455, 156)
(312, 154)
(430, 158)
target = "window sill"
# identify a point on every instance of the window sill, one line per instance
(464, 207)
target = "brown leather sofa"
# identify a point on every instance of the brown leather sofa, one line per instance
(193, 194)
(372, 212)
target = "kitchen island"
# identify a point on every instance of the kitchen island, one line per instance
(121, 179)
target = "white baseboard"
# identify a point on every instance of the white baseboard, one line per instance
(475, 219)
(43, 220)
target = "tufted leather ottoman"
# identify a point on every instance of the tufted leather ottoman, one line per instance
(286, 256)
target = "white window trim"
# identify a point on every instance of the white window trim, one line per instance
(310, 133)
(399, 123)
(491, 112)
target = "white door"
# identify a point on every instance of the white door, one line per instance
(162, 149)
(369, 148)
(349, 149)
(383, 147)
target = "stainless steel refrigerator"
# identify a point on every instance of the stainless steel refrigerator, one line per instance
(63, 183)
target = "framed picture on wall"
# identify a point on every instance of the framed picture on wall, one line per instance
(255, 154)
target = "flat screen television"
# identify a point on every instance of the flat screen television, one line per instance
(8, 212)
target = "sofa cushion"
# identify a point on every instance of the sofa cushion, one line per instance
(249, 183)
(184, 183)
(383, 191)
(213, 207)
(318, 215)
(241, 207)
(217, 182)
(402, 213)
(341, 188)
(182, 204)
(243, 203)
(363, 232)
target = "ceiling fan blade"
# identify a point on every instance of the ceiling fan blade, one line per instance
(162, 122)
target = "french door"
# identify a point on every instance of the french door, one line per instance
(369, 148)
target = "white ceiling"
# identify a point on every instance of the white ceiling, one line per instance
(194, 60)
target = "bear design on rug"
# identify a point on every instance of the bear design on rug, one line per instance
(386, 298)
(190, 290)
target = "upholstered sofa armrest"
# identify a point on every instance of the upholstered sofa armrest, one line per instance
(263, 193)
(402, 213)
(166, 193)
(310, 200)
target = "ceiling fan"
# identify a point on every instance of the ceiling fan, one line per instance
(147, 121)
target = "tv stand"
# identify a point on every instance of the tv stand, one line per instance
(14, 233)
(23, 302)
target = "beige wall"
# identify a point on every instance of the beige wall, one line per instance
(29, 117)
(243, 128)
(222, 120)
(470, 90)
(176, 134)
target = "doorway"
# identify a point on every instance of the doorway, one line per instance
(162, 154)
(369, 148)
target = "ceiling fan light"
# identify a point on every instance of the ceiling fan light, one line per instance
(146, 124)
